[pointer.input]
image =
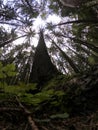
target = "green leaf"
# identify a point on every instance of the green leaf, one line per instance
(1, 65)
(59, 93)
(2, 75)
(61, 116)
(11, 74)
(9, 67)
(91, 60)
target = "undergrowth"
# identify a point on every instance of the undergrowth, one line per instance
(50, 95)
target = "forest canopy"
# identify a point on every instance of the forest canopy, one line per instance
(71, 42)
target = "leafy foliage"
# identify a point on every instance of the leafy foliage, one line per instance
(25, 92)
(7, 71)
(37, 99)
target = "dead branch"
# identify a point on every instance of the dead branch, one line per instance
(44, 128)
(26, 127)
(28, 114)
(9, 109)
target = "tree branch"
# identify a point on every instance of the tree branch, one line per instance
(30, 6)
(12, 24)
(28, 114)
(77, 22)
(10, 40)
(9, 109)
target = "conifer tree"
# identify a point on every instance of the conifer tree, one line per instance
(42, 69)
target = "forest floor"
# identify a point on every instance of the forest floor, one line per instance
(12, 120)
(81, 101)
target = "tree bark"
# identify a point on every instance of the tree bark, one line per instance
(42, 69)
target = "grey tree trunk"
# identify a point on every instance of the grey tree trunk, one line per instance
(42, 69)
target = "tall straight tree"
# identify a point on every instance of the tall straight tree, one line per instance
(42, 69)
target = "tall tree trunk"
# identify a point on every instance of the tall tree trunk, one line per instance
(72, 3)
(42, 69)
(67, 58)
(85, 43)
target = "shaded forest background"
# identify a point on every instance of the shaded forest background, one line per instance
(53, 84)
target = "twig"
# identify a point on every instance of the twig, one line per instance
(9, 109)
(44, 128)
(28, 114)
(5, 128)
(26, 127)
